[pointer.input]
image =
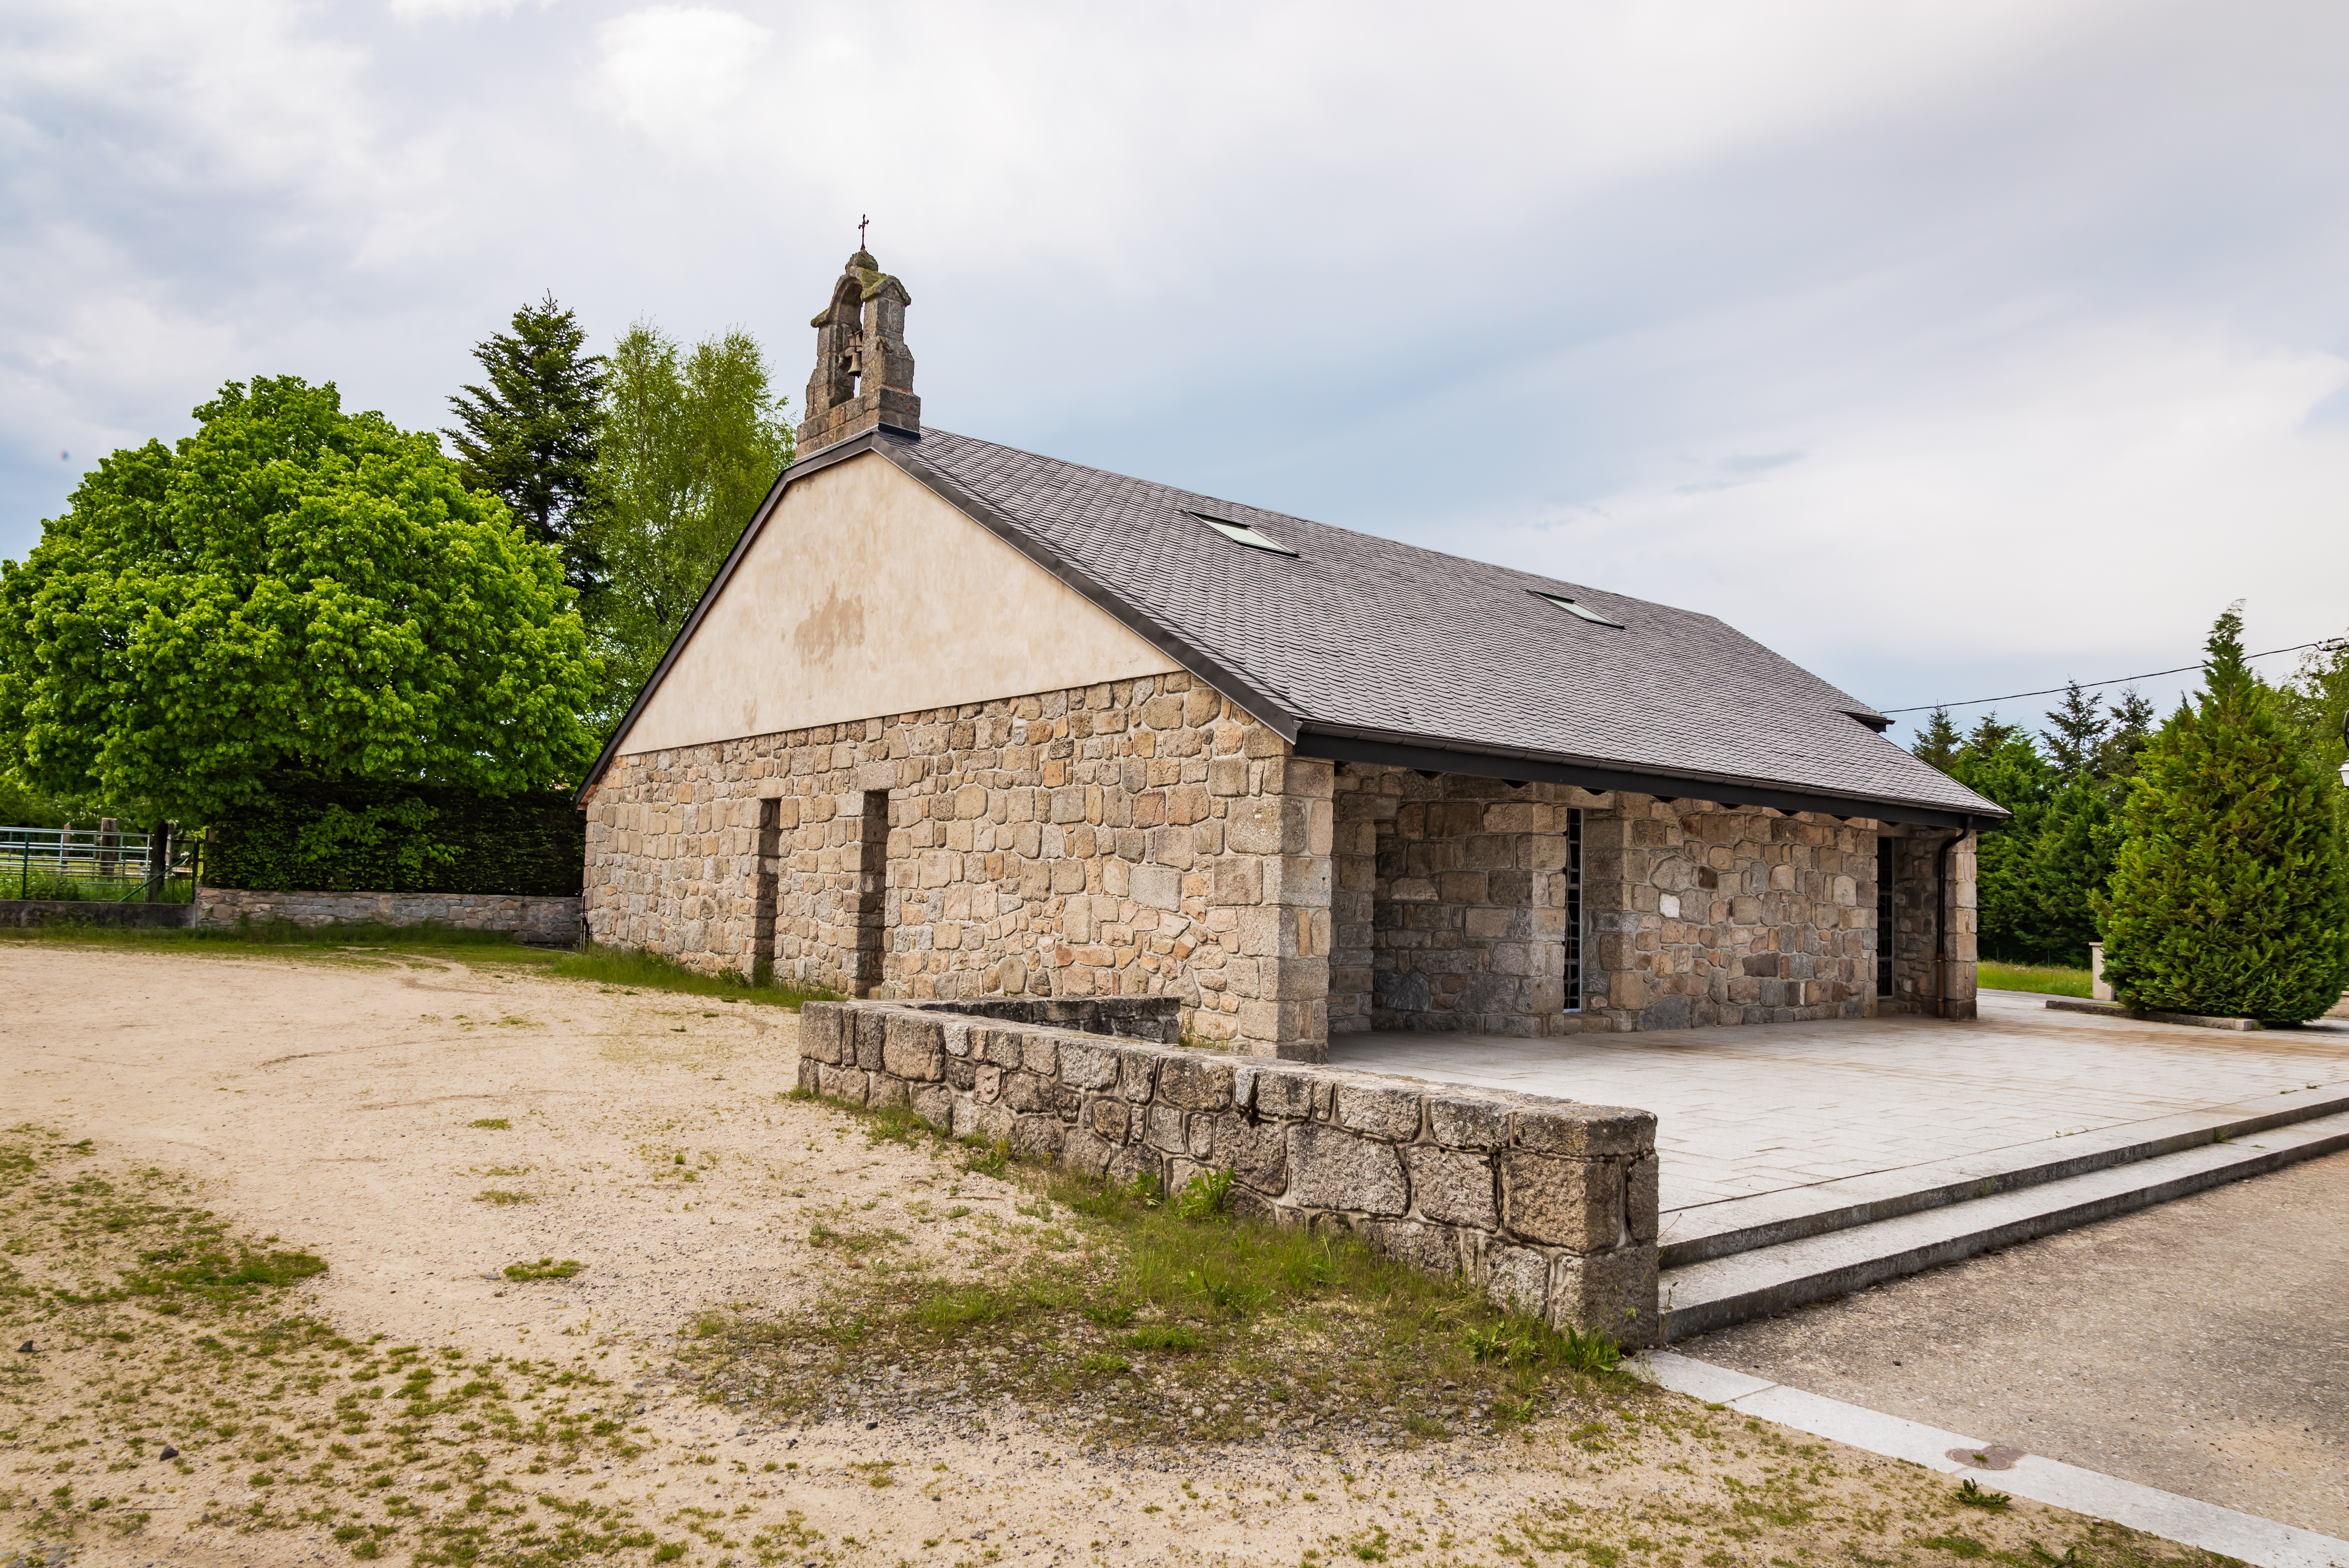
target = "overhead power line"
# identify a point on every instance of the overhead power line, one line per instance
(2117, 680)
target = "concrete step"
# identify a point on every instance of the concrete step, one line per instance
(1698, 1297)
(1708, 1230)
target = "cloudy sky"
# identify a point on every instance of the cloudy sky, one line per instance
(1952, 349)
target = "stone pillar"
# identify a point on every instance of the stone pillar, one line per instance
(1961, 968)
(1274, 881)
(864, 376)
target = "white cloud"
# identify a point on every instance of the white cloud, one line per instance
(678, 72)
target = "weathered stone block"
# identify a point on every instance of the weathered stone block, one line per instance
(1288, 1096)
(1163, 1127)
(822, 1027)
(885, 1091)
(1195, 1082)
(934, 1103)
(1334, 1169)
(1087, 1065)
(1612, 1293)
(914, 1048)
(1574, 1203)
(1037, 1137)
(1381, 1110)
(1562, 1129)
(871, 1037)
(1454, 1187)
(1458, 1122)
(1517, 1278)
(962, 1073)
(1004, 1047)
(1028, 1094)
(842, 1083)
(811, 1079)
(1136, 1076)
(1431, 1249)
(1108, 1118)
(1256, 1155)
(989, 1085)
(1641, 1217)
(1086, 1153)
(1039, 1054)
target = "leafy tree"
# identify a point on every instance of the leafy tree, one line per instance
(1938, 742)
(2067, 864)
(291, 590)
(2228, 894)
(692, 442)
(529, 436)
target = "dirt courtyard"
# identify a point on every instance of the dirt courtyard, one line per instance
(422, 1120)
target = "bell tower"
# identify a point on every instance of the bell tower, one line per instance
(863, 372)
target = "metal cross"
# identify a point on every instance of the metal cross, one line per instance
(861, 222)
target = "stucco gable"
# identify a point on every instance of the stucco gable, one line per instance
(863, 594)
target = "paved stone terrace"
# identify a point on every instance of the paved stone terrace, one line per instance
(1775, 1106)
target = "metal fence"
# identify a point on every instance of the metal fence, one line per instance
(100, 863)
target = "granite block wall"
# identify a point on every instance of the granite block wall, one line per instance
(1547, 1205)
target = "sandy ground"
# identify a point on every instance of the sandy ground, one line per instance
(329, 1102)
(2201, 1347)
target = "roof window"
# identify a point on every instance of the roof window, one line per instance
(1585, 611)
(1255, 538)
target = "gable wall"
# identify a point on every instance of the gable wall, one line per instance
(1126, 838)
(864, 594)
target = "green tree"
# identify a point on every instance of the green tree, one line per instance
(2132, 726)
(2228, 894)
(290, 591)
(2077, 735)
(1938, 742)
(693, 440)
(529, 436)
(1999, 760)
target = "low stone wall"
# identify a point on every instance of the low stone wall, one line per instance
(1547, 1205)
(33, 912)
(547, 921)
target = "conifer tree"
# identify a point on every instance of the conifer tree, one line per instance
(2073, 744)
(1939, 741)
(2227, 895)
(530, 434)
(1999, 760)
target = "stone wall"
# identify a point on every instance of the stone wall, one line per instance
(1711, 914)
(25, 912)
(1922, 905)
(1547, 1205)
(547, 921)
(1451, 900)
(1140, 837)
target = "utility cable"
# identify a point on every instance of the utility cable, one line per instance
(2117, 680)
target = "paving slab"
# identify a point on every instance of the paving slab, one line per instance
(1757, 1110)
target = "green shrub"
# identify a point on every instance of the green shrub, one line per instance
(2226, 895)
(358, 836)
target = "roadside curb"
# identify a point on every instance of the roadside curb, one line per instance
(2116, 1010)
(2263, 1541)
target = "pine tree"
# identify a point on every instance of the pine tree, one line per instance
(1939, 741)
(2227, 895)
(2070, 860)
(2132, 727)
(2075, 743)
(530, 434)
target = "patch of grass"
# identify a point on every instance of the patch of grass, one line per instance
(277, 933)
(1129, 1311)
(2044, 979)
(634, 970)
(1973, 1496)
(546, 1268)
(499, 1196)
(495, 1123)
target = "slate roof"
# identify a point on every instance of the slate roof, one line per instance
(1362, 646)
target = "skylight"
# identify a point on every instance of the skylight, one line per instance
(1585, 611)
(1256, 537)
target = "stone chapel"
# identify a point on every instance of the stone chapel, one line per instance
(957, 720)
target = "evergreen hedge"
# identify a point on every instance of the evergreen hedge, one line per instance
(2226, 895)
(362, 836)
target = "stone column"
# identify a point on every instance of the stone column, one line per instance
(1958, 911)
(1274, 881)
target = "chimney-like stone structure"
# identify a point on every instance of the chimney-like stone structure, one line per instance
(863, 371)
